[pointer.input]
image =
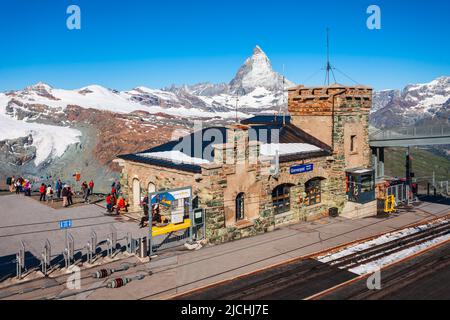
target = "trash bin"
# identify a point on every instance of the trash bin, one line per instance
(333, 212)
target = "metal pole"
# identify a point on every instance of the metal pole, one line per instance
(190, 216)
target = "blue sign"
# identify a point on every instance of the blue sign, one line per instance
(302, 168)
(65, 224)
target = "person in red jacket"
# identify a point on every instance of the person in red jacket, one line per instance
(91, 187)
(42, 191)
(121, 205)
(110, 202)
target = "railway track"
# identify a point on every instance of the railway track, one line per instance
(304, 278)
(397, 277)
(385, 249)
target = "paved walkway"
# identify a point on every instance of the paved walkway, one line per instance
(25, 219)
(177, 272)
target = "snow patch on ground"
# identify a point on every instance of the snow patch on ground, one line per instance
(377, 264)
(383, 261)
(50, 141)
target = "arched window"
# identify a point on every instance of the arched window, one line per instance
(313, 192)
(151, 187)
(240, 207)
(136, 192)
(281, 198)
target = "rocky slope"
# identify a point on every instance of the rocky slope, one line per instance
(419, 104)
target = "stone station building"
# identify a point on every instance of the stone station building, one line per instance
(268, 170)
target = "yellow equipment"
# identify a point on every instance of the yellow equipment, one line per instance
(389, 205)
(157, 231)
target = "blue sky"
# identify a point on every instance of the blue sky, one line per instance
(124, 44)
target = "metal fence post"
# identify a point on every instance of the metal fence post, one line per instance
(93, 244)
(113, 239)
(129, 240)
(109, 247)
(89, 252)
(20, 260)
(69, 250)
(45, 257)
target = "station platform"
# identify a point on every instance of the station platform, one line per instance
(178, 271)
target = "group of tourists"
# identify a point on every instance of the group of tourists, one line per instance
(19, 185)
(115, 202)
(49, 193)
(157, 218)
(87, 189)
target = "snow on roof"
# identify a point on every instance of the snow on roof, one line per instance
(174, 156)
(287, 148)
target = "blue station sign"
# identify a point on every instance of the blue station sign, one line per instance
(65, 224)
(302, 168)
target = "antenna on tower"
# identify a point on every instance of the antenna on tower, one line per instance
(282, 93)
(329, 68)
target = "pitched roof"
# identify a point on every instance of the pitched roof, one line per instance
(274, 133)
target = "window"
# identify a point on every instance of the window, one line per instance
(367, 184)
(313, 192)
(353, 143)
(281, 198)
(240, 207)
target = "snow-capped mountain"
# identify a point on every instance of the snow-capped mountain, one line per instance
(255, 88)
(257, 72)
(416, 104)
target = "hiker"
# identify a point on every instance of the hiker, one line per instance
(69, 195)
(58, 188)
(12, 185)
(156, 216)
(110, 202)
(9, 183)
(113, 189)
(144, 205)
(91, 187)
(42, 191)
(121, 205)
(85, 190)
(118, 187)
(49, 193)
(65, 194)
(17, 185)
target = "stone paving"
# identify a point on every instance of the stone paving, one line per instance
(25, 219)
(178, 271)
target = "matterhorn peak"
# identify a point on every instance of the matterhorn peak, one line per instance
(257, 72)
(258, 50)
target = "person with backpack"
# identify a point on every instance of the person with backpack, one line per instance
(145, 207)
(17, 186)
(49, 193)
(85, 190)
(69, 196)
(58, 188)
(110, 202)
(42, 191)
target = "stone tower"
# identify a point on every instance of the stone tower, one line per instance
(338, 116)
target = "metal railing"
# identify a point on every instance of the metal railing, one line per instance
(411, 132)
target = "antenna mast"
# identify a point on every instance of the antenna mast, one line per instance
(329, 68)
(282, 93)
